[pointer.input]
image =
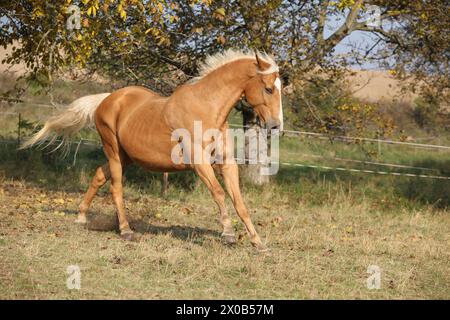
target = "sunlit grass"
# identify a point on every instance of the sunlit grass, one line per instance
(325, 227)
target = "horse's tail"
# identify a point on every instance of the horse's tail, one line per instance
(79, 115)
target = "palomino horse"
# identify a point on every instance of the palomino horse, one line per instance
(136, 125)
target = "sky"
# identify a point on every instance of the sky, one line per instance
(361, 38)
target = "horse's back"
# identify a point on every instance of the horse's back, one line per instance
(133, 119)
(120, 104)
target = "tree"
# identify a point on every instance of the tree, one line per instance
(147, 39)
(160, 43)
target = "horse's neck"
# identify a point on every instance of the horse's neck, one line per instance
(221, 90)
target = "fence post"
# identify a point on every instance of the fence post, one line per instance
(18, 128)
(379, 149)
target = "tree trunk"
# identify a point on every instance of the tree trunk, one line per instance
(252, 172)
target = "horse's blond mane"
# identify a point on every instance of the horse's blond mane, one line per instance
(215, 61)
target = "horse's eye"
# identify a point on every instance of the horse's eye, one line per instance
(269, 90)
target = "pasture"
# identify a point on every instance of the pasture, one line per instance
(324, 227)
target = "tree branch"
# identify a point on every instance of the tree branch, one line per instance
(321, 22)
(345, 29)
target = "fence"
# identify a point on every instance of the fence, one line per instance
(293, 133)
(347, 138)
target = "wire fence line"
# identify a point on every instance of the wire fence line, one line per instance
(96, 143)
(43, 105)
(365, 171)
(324, 136)
(10, 113)
(346, 138)
(383, 164)
(296, 132)
(300, 133)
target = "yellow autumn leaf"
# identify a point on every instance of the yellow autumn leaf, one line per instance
(206, 2)
(392, 72)
(220, 11)
(59, 201)
(92, 11)
(160, 41)
(123, 14)
(37, 13)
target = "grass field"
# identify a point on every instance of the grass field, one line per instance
(324, 228)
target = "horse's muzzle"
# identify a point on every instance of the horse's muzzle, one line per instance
(273, 124)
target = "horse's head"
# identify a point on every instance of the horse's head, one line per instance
(263, 93)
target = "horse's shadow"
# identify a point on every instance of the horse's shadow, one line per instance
(102, 222)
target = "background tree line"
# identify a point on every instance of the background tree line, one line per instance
(159, 44)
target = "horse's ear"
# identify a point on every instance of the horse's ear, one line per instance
(262, 65)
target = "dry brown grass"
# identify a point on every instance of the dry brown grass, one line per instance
(317, 251)
(324, 230)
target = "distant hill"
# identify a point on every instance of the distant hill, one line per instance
(378, 85)
(15, 70)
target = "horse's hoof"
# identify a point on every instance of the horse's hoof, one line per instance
(129, 236)
(81, 220)
(229, 239)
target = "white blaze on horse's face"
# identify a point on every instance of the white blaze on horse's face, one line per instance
(280, 114)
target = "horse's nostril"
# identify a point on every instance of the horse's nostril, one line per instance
(273, 124)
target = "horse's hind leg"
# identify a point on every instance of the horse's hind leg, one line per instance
(117, 161)
(165, 184)
(101, 176)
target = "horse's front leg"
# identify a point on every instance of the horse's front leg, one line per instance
(230, 173)
(206, 174)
